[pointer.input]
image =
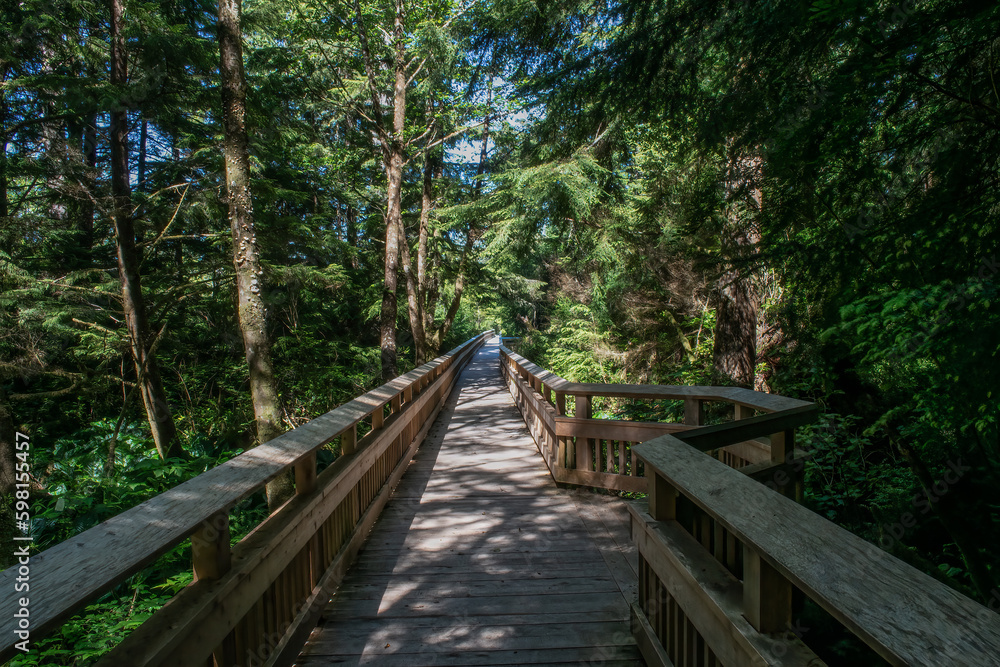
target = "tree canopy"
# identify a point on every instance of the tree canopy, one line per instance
(794, 197)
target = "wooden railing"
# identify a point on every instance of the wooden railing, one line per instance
(257, 602)
(720, 556)
(723, 546)
(599, 453)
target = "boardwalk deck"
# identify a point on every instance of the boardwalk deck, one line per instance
(480, 560)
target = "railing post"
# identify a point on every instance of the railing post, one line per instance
(210, 553)
(305, 474)
(742, 411)
(767, 595)
(211, 558)
(567, 455)
(584, 446)
(783, 451)
(662, 497)
(377, 416)
(305, 482)
(349, 440)
(694, 412)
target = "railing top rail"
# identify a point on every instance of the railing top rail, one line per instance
(70, 573)
(757, 400)
(905, 615)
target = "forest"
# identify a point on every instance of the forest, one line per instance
(222, 220)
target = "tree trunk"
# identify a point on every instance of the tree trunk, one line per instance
(246, 255)
(141, 168)
(393, 216)
(421, 321)
(4, 191)
(352, 236)
(8, 481)
(90, 161)
(423, 238)
(734, 354)
(456, 300)
(154, 398)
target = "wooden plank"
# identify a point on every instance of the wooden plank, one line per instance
(601, 480)
(345, 610)
(907, 616)
(614, 429)
(413, 639)
(397, 591)
(607, 656)
(364, 626)
(487, 563)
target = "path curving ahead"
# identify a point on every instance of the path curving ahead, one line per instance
(479, 559)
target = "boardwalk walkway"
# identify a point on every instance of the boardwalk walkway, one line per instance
(480, 560)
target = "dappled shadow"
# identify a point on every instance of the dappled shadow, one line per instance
(478, 558)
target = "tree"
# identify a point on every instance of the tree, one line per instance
(246, 254)
(154, 397)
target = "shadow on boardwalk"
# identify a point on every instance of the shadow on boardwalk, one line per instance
(479, 559)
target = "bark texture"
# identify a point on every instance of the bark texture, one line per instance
(734, 354)
(393, 217)
(154, 397)
(246, 253)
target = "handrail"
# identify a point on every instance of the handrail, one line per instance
(592, 452)
(288, 571)
(700, 512)
(737, 395)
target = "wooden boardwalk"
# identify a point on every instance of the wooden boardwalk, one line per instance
(480, 560)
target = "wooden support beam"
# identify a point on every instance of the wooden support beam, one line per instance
(662, 497)
(378, 417)
(694, 413)
(742, 411)
(782, 446)
(349, 441)
(560, 403)
(767, 595)
(305, 473)
(210, 553)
